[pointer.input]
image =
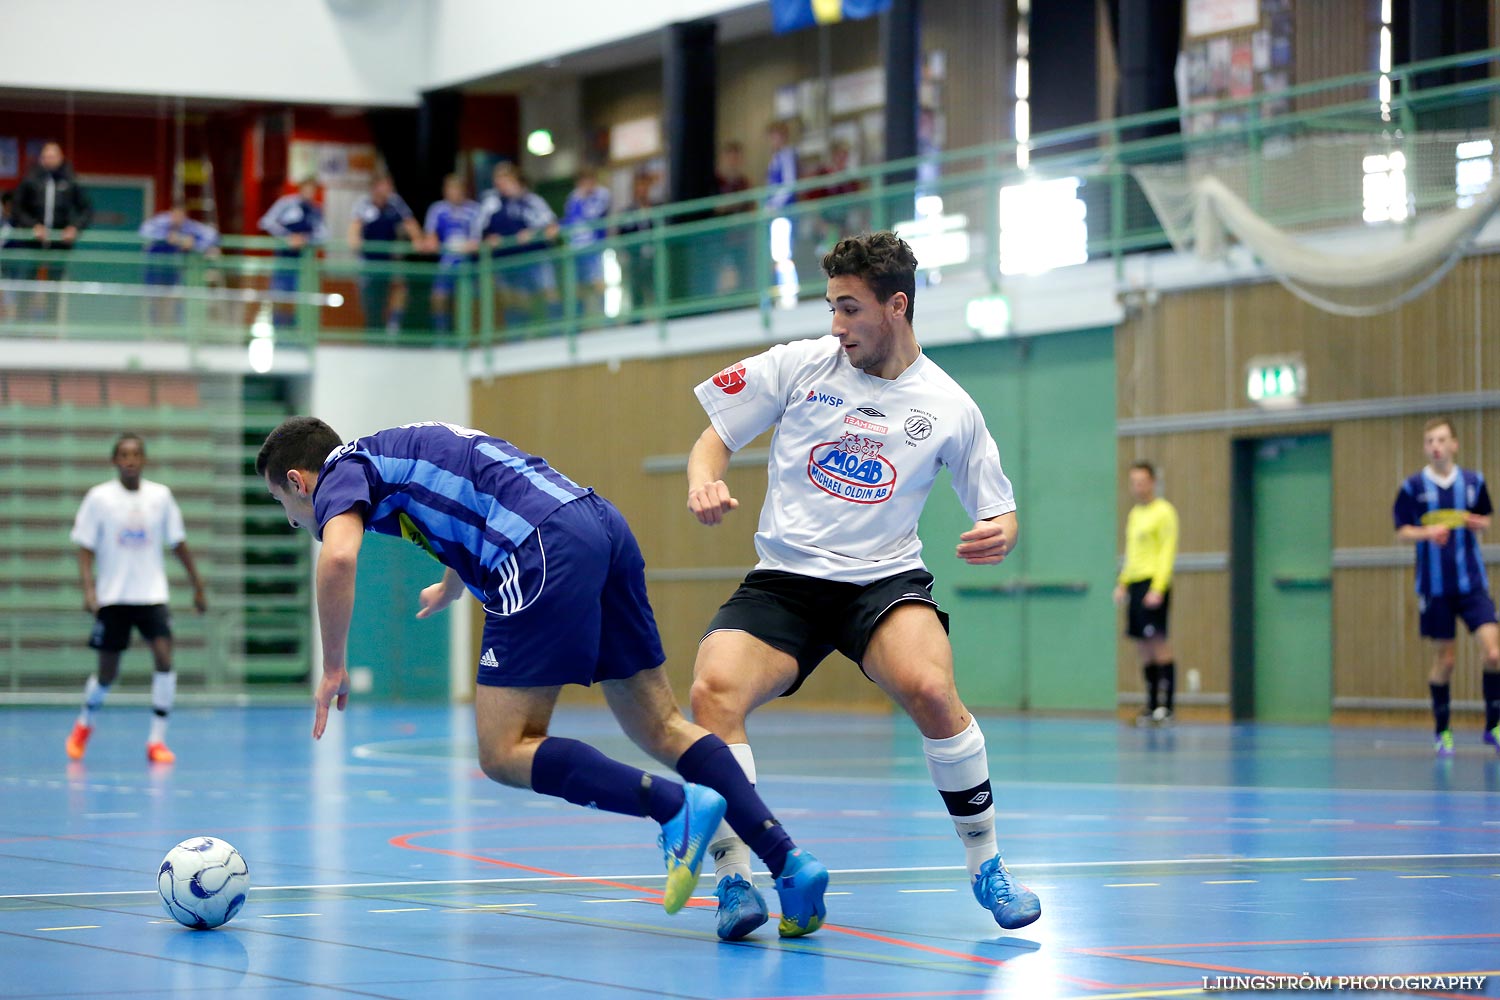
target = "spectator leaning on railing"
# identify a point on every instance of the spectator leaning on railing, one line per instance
(588, 204)
(511, 211)
(298, 220)
(169, 236)
(382, 216)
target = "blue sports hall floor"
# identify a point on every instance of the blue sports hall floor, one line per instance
(386, 865)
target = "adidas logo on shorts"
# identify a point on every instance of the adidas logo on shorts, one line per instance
(488, 659)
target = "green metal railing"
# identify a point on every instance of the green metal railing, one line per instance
(715, 254)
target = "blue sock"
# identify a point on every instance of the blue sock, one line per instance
(711, 763)
(577, 772)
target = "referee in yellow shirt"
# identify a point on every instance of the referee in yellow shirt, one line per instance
(1145, 587)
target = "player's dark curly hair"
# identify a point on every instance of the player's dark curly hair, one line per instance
(299, 443)
(883, 260)
(114, 452)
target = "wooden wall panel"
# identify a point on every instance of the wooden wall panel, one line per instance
(1333, 38)
(1192, 472)
(1199, 631)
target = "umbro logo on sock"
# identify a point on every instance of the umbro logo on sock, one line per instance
(977, 800)
(488, 659)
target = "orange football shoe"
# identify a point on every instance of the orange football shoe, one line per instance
(78, 740)
(158, 753)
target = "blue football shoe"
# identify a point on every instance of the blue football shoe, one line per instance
(800, 888)
(684, 842)
(1012, 903)
(741, 907)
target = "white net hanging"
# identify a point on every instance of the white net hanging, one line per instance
(1353, 224)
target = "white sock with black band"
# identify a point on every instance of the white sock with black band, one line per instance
(163, 694)
(961, 772)
(730, 853)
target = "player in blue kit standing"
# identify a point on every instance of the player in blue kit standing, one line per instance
(588, 204)
(298, 220)
(382, 216)
(1443, 508)
(449, 227)
(563, 586)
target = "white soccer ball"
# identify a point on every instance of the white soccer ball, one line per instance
(203, 883)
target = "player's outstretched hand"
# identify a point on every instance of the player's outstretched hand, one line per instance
(332, 689)
(711, 501)
(987, 543)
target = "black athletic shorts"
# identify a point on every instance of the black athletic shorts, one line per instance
(807, 617)
(1142, 622)
(113, 624)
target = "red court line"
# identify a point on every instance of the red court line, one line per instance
(405, 842)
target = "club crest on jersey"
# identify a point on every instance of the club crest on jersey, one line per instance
(852, 469)
(731, 380)
(814, 396)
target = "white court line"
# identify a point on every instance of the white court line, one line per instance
(278, 916)
(403, 909)
(1130, 885)
(76, 927)
(1034, 866)
(919, 891)
(1231, 881)
(1342, 878)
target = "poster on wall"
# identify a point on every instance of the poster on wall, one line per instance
(10, 157)
(1209, 17)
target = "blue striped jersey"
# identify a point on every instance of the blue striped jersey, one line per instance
(582, 208)
(380, 222)
(292, 214)
(1457, 567)
(159, 227)
(467, 499)
(452, 224)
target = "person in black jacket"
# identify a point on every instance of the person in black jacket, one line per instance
(48, 212)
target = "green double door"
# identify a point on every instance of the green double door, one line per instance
(1282, 568)
(1037, 632)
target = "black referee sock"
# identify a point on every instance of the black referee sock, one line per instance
(1491, 681)
(1168, 674)
(1440, 697)
(1152, 673)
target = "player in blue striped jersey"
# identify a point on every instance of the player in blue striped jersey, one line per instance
(516, 220)
(382, 216)
(449, 227)
(588, 203)
(563, 586)
(298, 220)
(1444, 508)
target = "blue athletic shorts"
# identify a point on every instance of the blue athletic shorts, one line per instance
(1440, 614)
(573, 607)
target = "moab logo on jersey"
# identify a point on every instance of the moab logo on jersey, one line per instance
(852, 469)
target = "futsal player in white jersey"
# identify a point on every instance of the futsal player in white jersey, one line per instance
(864, 421)
(120, 531)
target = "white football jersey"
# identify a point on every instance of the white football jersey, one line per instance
(854, 456)
(126, 530)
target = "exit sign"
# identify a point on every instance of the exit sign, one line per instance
(1276, 381)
